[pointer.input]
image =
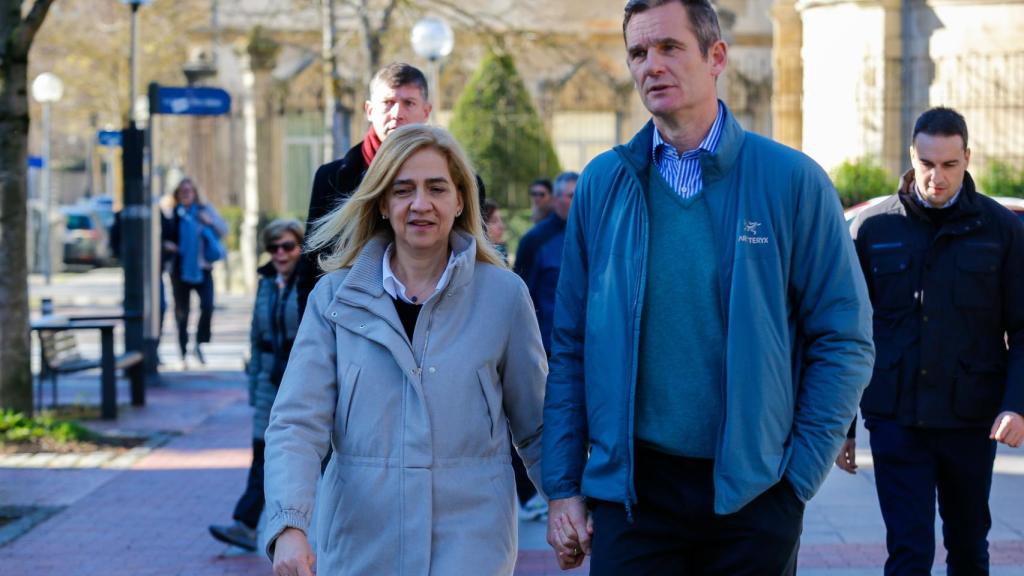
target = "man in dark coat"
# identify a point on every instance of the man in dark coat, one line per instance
(945, 272)
(398, 96)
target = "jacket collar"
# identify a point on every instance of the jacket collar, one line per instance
(366, 277)
(637, 152)
(966, 205)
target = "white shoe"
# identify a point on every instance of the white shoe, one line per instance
(535, 510)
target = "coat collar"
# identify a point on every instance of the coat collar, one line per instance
(366, 278)
(637, 152)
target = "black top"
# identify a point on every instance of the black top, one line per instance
(407, 313)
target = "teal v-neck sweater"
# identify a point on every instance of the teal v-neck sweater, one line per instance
(682, 337)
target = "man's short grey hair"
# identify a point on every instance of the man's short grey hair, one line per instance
(702, 15)
(563, 179)
(401, 74)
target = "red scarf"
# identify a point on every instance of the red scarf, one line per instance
(370, 145)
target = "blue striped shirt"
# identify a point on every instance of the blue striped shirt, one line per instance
(682, 171)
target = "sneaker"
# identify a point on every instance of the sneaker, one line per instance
(236, 534)
(199, 355)
(535, 509)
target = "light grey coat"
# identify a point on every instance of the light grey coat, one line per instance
(420, 481)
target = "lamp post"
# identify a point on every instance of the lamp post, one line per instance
(432, 38)
(133, 58)
(136, 219)
(46, 89)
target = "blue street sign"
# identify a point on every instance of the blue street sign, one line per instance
(198, 101)
(36, 162)
(109, 138)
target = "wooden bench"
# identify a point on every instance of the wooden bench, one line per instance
(60, 355)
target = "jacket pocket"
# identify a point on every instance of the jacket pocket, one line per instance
(891, 282)
(977, 283)
(346, 393)
(978, 391)
(492, 399)
(883, 392)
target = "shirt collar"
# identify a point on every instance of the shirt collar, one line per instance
(708, 144)
(394, 287)
(924, 203)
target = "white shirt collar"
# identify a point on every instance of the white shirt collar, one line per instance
(394, 287)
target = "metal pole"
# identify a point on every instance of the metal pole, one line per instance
(154, 278)
(134, 65)
(47, 195)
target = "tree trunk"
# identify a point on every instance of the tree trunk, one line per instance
(16, 35)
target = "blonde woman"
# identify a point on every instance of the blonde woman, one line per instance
(393, 368)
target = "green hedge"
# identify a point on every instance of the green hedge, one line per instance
(861, 179)
(1001, 178)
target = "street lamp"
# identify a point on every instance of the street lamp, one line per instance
(432, 38)
(133, 57)
(46, 89)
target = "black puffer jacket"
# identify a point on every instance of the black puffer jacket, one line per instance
(948, 296)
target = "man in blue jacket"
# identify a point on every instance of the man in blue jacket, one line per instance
(539, 256)
(945, 270)
(712, 330)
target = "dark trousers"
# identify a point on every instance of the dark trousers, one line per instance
(182, 305)
(250, 505)
(524, 488)
(674, 529)
(911, 465)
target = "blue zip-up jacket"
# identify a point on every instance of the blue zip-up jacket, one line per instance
(798, 322)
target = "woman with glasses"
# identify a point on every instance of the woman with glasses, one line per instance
(393, 368)
(275, 320)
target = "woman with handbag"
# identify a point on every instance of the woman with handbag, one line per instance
(393, 368)
(192, 242)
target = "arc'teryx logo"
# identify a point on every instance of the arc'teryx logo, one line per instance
(751, 231)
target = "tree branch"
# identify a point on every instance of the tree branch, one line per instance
(25, 33)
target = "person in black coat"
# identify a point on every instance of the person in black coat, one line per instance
(945, 271)
(398, 96)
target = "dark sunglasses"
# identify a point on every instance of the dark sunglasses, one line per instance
(287, 246)
(537, 193)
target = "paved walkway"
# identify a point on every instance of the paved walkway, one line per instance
(148, 515)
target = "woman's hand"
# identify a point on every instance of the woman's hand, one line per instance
(205, 218)
(292, 554)
(170, 247)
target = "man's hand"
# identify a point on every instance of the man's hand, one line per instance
(569, 530)
(1008, 429)
(847, 458)
(170, 247)
(292, 554)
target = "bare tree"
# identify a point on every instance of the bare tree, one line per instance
(17, 31)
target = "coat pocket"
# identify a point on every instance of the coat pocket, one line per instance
(883, 392)
(977, 283)
(891, 282)
(492, 398)
(346, 393)
(978, 391)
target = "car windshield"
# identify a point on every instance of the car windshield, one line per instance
(79, 222)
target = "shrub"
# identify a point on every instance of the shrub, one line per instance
(495, 120)
(861, 179)
(1001, 178)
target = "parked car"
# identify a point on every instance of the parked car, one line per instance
(85, 237)
(1015, 205)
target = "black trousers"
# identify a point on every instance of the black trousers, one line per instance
(183, 304)
(674, 529)
(911, 466)
(250, 505)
